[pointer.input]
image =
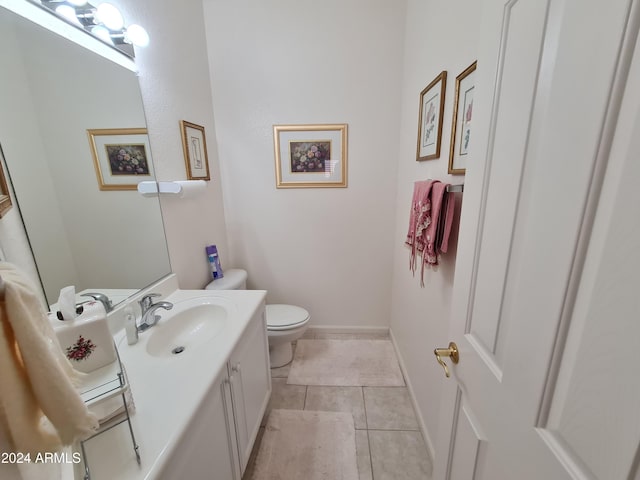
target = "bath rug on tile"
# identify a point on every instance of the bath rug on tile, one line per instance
(345, 363)
(307, 445)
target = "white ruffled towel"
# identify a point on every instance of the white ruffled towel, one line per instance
(40, 409)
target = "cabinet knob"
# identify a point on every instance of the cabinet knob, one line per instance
(236, 368)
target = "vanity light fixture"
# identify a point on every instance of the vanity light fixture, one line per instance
(103, 20)
(110, 16)
(137, 35)
(102, 33)
(68, 12)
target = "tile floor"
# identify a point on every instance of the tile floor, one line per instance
(389, 443)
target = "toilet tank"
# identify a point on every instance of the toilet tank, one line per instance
(234, 279)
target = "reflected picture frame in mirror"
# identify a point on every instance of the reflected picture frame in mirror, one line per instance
(121, 157)
(5, 196)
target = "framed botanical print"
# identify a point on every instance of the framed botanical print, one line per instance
(194, 145)
(430, 118)
(461, 123)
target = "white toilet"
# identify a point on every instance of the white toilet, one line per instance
(285, 323)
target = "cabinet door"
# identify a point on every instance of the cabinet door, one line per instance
(208, 448)
(250, 379)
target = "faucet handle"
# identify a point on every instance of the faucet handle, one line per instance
(147, 300)
(102, 298)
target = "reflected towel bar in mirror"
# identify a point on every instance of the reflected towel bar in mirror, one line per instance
(180, 188)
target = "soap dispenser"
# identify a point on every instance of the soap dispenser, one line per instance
(130, 327)
(86, 340)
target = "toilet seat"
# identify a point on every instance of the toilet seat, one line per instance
(285, 317)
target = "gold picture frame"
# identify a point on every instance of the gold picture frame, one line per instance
(461, 124)
(311, 156)
(121, 157)
(432, 100)
(194, 145)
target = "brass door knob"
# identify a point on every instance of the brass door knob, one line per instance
(451, 352)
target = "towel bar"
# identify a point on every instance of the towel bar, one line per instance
(455, 188)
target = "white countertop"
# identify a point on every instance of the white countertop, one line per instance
(167, 391)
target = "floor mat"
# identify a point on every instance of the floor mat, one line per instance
(368, 363)
(307, 445)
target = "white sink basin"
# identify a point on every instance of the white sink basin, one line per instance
(189, 324)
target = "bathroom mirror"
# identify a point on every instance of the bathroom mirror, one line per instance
(52, 92)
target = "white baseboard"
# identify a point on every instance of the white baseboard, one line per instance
(342, 329)
(421, 424)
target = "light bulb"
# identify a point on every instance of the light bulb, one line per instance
(102, 33)
(77, 3)
(110, 16)
(137, 35)
(69, 13)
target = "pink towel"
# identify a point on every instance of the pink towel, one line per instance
(419, 219)
(430, 222)
(449, 208)
(437, 194)
(442, 209)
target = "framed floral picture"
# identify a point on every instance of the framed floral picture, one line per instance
(310, 155)
(194, 145)
(461, 123)
(121, 157)
(430, 118)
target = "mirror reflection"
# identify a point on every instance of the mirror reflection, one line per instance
(52, 93)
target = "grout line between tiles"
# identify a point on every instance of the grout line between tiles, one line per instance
(304, 404)
(393, 430)
(364, 407)
(370, 456)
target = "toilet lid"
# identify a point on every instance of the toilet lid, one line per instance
(232, 280)
(283, 317)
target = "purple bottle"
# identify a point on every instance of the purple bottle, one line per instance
(214, 262)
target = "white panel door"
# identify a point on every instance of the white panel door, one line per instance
(547, 287)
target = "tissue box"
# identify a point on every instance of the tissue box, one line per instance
(86, 340)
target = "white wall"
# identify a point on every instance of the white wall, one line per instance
(174, 79)
(308, 62)
(440, 35)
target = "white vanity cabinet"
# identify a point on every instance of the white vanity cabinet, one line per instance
(220, 437)
(250, 381)
(208, 448)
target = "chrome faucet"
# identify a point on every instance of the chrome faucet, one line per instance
(148, 309)
(102, 298)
